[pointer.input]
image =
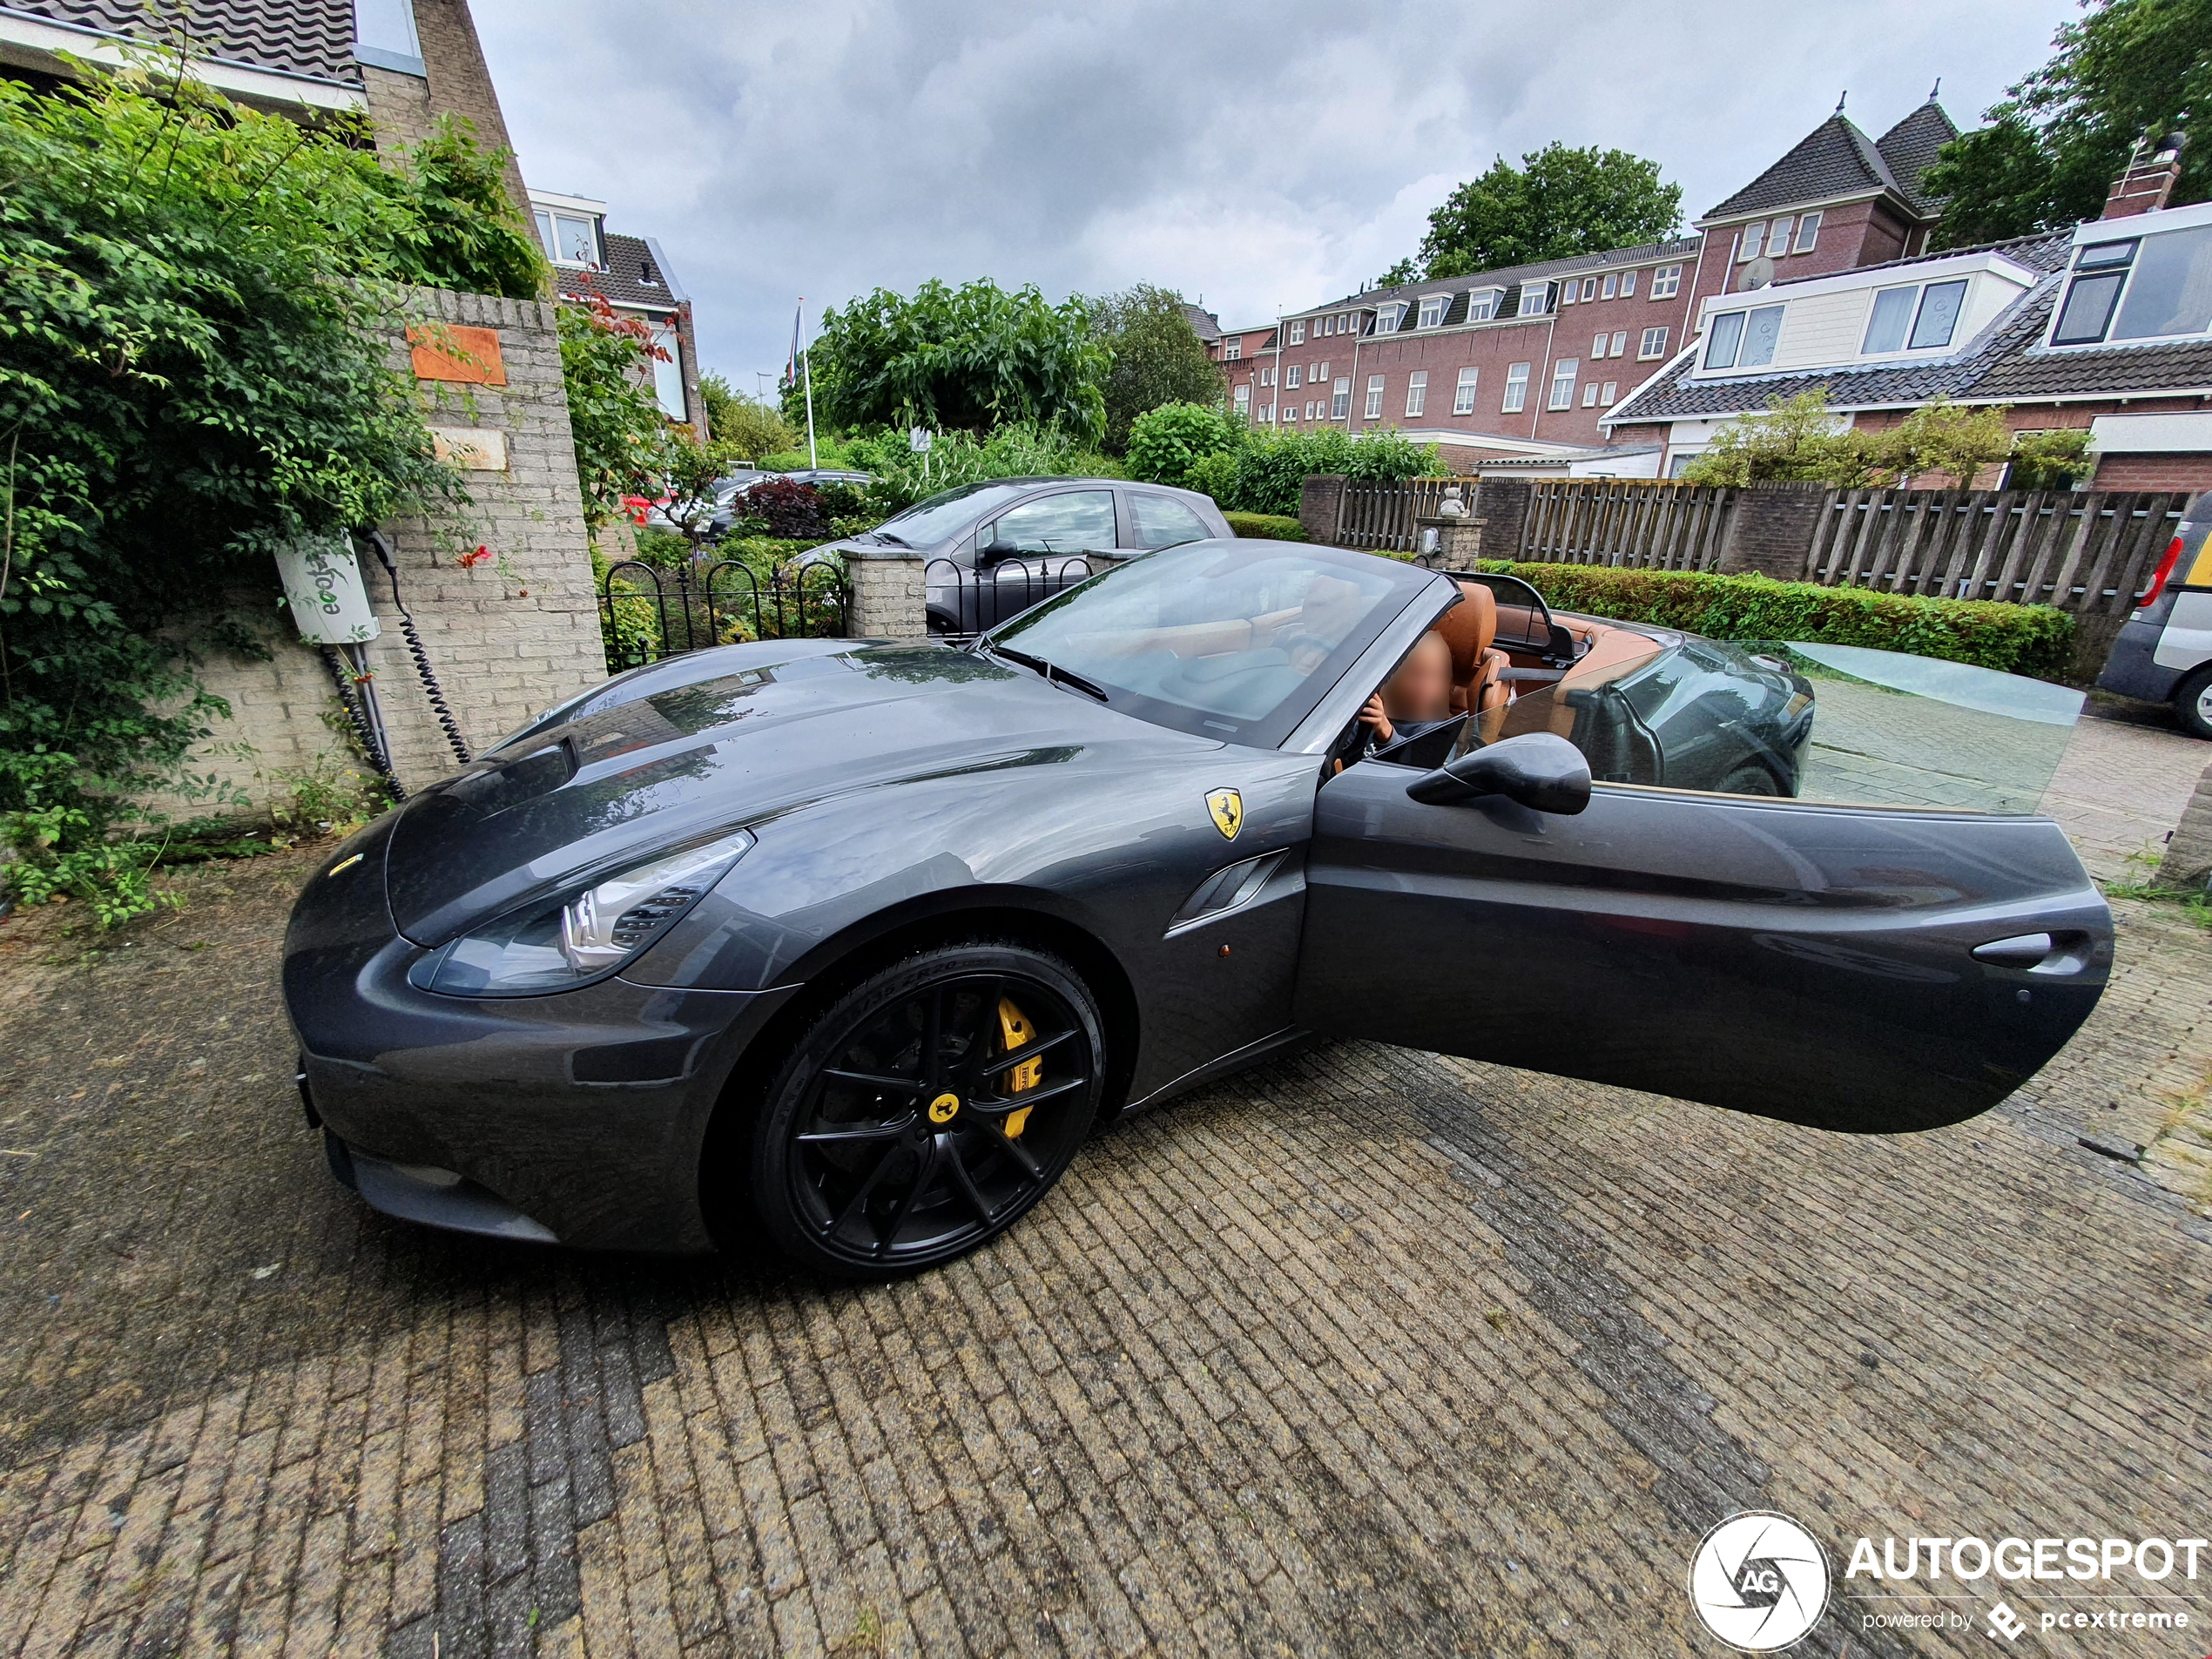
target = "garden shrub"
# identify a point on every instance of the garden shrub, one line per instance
(1165, 443)
(2016, 639)
(785, 510)
(1267, 527)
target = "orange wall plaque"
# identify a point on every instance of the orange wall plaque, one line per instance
(449, 352)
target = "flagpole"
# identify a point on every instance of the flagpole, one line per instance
(806, 370)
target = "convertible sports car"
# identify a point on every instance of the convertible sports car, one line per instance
(850, 945)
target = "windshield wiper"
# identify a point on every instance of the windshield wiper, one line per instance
(1058, 676)
(886, 535)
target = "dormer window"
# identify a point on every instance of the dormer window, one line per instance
(1433, 309)
(1743, 339)
(1297, 335)
(2150, 288)
(1483, 303)
(1535, 300)
(1914, 318)
(568, 238)
(1386, 319)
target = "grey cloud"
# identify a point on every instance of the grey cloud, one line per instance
(1262, 155)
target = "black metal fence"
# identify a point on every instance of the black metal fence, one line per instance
(648, 611)
(964, 600)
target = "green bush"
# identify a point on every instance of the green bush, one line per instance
(1267, 527)
(1270, 470)
(2015, 639)
(1165, 443)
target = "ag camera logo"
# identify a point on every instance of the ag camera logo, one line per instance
(1759, 1581)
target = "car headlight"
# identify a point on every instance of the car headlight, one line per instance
(556, 945)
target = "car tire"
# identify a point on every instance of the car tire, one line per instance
(2192, 702)
(898, 1134)
(1751, 778)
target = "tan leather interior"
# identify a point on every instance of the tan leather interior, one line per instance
(1469, 627)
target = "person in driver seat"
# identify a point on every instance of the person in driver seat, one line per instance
(1410, 721)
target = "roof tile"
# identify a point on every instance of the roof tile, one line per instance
(293, 37)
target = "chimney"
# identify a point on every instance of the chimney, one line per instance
(2147, 179)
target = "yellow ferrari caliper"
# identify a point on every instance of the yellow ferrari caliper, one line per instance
(1014, 1029)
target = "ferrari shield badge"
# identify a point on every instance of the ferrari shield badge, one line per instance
(1228, 809)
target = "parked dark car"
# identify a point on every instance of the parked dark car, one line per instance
(851, 946)
(991, 550)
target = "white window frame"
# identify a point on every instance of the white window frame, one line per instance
(1542, 290)
(1666, 282)
(1904, 348)
(1628, 285)
(1652, 345)
(1612, 287)
(1516, 398)
(1589, 289)
(1620, 342)
(1294, 377)
(1808, 233)
(1611, 393)
(1433, 305)
(1463, 393)
(1597, 344)
(1568, 291)
(1416, 393)
(1243, 402)
(1375, 397)
(1232, 351)
(1321, 372)
(1298, 332)
(1589, 394)
(1340, 398)
(1748, 241)
(1386, 317)
(1483, 303)
(1563, 374)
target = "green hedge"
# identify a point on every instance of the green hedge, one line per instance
(2016, 639)
(1267, 527)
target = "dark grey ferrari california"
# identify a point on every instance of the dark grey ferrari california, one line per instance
(848, 946)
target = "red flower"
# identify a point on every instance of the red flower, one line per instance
(470, 561)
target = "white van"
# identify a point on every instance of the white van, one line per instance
(2164, 651)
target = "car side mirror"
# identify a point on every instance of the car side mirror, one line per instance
(1540, 770)
(992, 551)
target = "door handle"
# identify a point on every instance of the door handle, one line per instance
(2037, 953)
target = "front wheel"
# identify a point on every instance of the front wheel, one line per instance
(2192, 702)
(926, 1109)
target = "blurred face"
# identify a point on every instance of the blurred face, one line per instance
(1421, 689)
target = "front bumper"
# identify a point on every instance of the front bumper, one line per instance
(578, 1117)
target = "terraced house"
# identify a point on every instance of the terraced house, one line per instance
(1523, 367)
(2107, 326)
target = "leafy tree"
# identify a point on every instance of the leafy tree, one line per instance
(2055, 460)
(196, 310)
(741, 427)
(964, 359)
(1953, 439)
(1557, 203)
(1158, 358)
(1165, 443)
(1019, 450)
(2128, 69)
(460, 228)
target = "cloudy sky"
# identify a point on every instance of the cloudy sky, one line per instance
(1265, 157)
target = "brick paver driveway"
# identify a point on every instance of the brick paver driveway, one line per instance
(1366, 1353)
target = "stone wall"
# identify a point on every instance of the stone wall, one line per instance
(506, 637)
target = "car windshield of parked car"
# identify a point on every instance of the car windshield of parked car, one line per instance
(1220, 639)
(928, 523)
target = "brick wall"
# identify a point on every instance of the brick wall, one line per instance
(505, 639)
(2121, 470)
(460, 82)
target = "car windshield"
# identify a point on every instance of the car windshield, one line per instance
(928, 523)
(1219, 639)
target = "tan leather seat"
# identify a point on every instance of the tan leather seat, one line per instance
(1469, 627)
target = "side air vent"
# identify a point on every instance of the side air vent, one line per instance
(1227, 888)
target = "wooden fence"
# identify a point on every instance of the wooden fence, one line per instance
(1379, 517)
(1636, 524)
(2091, 552)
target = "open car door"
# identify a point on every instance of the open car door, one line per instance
(1855, 963)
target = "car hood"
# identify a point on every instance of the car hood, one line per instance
(754, 732)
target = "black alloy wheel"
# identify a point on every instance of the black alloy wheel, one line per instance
(926, 1109)
(1751, 778)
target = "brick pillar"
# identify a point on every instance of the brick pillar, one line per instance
(887, 594)
(1770, 530)
(2188, 855)
(1503, 504)
(1320, 505)
(2147, 179)
(1459, 543)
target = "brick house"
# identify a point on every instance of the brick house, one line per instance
(402, 64)
(2107, 326)
(633, 275)
(1520, 368)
